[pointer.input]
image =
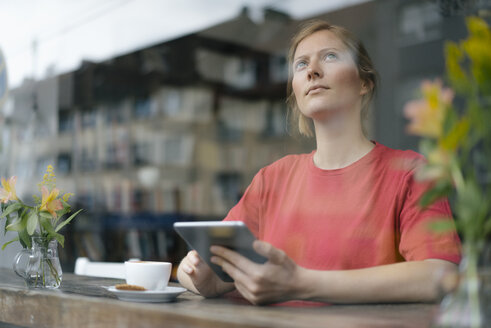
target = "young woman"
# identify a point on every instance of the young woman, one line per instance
(341, 224)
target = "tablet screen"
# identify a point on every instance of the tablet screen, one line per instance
(231, 234)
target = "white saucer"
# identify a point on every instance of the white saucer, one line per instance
(151, 296)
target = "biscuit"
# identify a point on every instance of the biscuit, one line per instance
(129, 287)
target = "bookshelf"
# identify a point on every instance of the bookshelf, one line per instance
(173, 132)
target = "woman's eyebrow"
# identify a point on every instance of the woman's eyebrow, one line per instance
(329, 49)
(319, 51)
(300, 57)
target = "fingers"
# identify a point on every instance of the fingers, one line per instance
(267, 250)
(235, 265)
(232, 270)
(191, 262)
(247, 294)
(258, 283)
(233, 258)
(274, 255)
(194, 258)
(243, 282)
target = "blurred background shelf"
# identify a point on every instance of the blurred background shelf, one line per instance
(176, 131)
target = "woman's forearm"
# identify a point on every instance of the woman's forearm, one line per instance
(417, 281)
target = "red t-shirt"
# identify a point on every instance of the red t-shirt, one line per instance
(363, 215)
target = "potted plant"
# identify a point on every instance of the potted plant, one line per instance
(454, 123)
(37, 228)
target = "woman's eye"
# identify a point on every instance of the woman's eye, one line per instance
(330, 56)
(299, 65)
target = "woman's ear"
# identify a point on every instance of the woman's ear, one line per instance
(366, 86)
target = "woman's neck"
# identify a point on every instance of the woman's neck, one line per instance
(339, 145)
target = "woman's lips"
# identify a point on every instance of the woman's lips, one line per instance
(316, 89)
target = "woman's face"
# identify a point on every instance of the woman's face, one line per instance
(325, 76)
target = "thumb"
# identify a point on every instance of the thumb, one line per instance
(267, 250)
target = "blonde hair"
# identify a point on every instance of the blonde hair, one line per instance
(364, 64)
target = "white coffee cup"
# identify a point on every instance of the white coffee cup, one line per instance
(148, 274)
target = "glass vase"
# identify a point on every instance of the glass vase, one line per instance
(39, 266)
(467, 306)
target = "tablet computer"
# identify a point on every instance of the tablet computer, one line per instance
(231, 234)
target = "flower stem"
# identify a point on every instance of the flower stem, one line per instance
(42, 272)
(53, 271)
(458, 178)
(472, 278)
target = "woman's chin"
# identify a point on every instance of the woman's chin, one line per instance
(320, 113)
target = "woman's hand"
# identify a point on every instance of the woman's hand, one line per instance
(274, 281)
(196, 275)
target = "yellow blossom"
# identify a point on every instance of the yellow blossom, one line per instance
(8, 191)
(477, 47)
(438, 167)
(426, 115)
(49, 201)
(67, 196)
(49, 178)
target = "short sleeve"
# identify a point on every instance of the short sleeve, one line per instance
(249, 207)
(419, 240)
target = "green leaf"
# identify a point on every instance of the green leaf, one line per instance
(456, 135)
(66, 209)
(60, 239)
(7, 222)
(487, 226)
(32, 222)
(427, 146)
(11, 208)
(469, 202)
(46, 224)
(450, 120)
(10, 242)
(17, 225)
(64, 223)
(441, 225)
(24, 239)
(65, 204)
(10, 217)
(456, 74)
(472, 209)
(20, 223)
(45, 215)
(62, 212)
(441, 188)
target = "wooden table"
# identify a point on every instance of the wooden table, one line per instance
(82, 302)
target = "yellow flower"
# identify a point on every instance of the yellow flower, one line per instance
(67, 196)
(456, 74)
(49, 178)
(49, 202)
(438, 167)
(8, 191)
(480, 55)
(469, 61)
(426, 115)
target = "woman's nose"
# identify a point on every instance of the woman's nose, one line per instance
(314, 71)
